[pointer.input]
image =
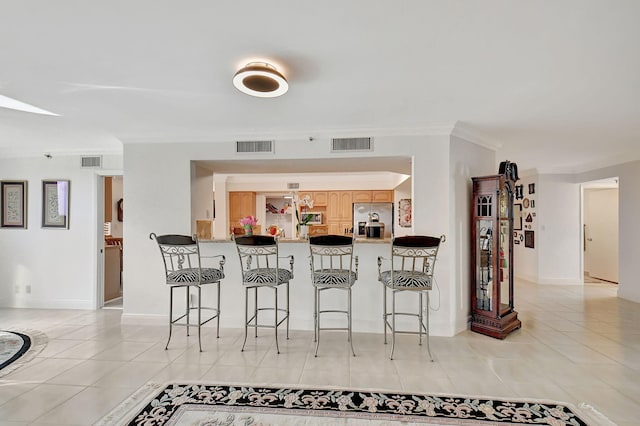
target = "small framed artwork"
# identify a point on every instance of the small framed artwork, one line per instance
(519, 192)
(529, 239)
(532, 188)
(517, 217)
(55, 204)
(14, 204)
(404, 213)
(525, 203)
(532, 204)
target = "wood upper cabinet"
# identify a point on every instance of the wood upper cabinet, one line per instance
(346, 205)
(320, 198)
(361, 196)
(382, 196)
(241, 204)
(333, 205)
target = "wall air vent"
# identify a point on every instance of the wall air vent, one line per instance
(351, 144)
(293, 185)
(93, 162)
(249, 147)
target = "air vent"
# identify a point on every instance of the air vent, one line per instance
(248, 147)
(351, 144)
(94, 162)
(293, 186)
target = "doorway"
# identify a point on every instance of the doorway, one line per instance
(113, 248)
(600, 231)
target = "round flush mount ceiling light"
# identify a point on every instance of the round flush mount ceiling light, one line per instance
(260, 79)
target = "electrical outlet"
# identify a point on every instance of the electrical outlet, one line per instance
(27, 289)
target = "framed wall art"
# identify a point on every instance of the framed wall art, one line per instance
(55, 204)
(529, 239)
(517, 217)
(14, 204)
(404, 213)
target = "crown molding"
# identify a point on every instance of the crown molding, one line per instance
(470, 134)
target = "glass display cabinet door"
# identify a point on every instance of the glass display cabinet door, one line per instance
(492, 257)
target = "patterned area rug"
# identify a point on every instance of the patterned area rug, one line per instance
(213, 405)
(18, 347)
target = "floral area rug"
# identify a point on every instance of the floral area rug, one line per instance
(217, 405)
(19, 347)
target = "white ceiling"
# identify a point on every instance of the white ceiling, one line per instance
(555, 83)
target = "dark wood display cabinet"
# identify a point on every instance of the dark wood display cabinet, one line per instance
(492, 310)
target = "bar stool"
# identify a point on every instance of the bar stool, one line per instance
(261, 268)
(183, 269)
(332, 267)
(412, 264)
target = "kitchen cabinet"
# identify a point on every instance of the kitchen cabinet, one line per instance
(320, 198)
(108, 199)
(318, 230)
(361, 196)
(241, 204)
(339, 212)
(382, 196)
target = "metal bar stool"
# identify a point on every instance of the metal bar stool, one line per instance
(412, 264)
(259, 261)
(183, 269)
(332, 267)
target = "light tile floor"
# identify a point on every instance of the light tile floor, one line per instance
(578, 344)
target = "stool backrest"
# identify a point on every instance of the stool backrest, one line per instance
(331, 252)
(257, 251)
(415, 254)
(178, 251)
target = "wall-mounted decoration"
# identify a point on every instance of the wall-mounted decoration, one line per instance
(14, 204)
(532, 204)
(521, 237)
(529, 239)
(55, 204)
(516, 241)
(519, 192)
(529, 218)
(527, 226)
(525, 203)
(533, 214)
(517, 216)
(532, 188)
(404, 213)
(119, 207)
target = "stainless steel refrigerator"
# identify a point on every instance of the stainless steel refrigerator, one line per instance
(364, 212)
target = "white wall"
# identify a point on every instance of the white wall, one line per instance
(629, 206)
(467, 160)
(559, 230)
(202, 195)
(157, 176)
(59, 265)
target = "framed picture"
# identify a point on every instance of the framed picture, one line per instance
(517, 217)
(529, 239)
(55, 204)
(532, 188)
(14, 204)
(404, 213)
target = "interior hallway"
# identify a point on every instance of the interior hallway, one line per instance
(578, 344)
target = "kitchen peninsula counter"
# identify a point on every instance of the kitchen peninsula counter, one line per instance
(367, 291)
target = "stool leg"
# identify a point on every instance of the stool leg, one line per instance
(218, 312)
(427, 331)
(255, 312)
(315, 315)
(420, 318)
(246, 316)
(170, 316)
(393, 322)
(349, 325)
(199, 317)
(384, 311)
(316, 308)
(188, 311)
(287, 310)
(275, 324)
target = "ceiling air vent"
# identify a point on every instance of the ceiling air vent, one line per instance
(93, 162)
(351, 144)
(293, 185)
(248, 147)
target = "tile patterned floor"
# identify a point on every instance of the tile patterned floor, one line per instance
(578, 344)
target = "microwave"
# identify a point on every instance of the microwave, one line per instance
(316, 218)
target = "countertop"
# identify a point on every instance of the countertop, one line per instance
(303, 241)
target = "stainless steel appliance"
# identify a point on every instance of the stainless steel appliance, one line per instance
(373, 220)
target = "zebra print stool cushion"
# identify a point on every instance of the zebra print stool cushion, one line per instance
(266, 276)
(190, 276)
(334, 277)
(406, 279)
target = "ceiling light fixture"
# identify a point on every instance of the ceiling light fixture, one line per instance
(260, 79)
